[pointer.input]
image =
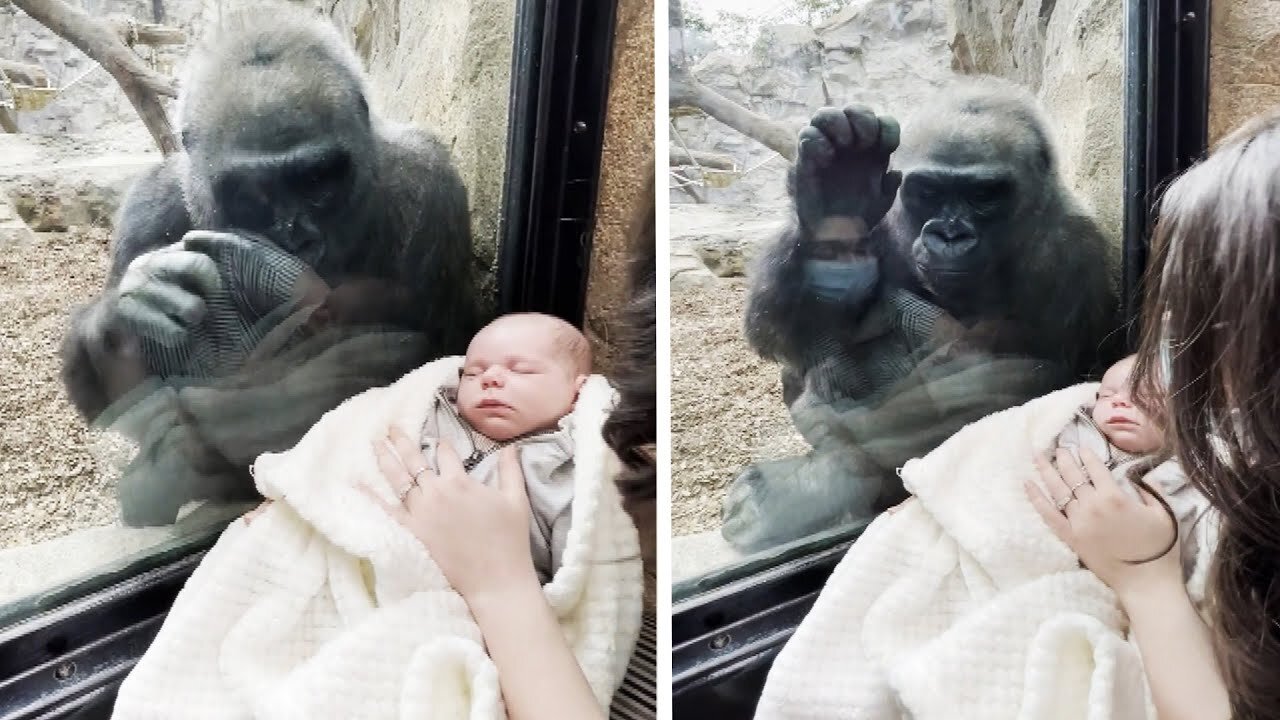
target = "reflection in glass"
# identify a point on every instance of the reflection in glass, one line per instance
(300, 247)
(923, 270)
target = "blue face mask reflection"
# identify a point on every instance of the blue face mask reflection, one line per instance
(836, 281)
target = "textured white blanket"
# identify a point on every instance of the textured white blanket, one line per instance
(963, 605)
(325, 607)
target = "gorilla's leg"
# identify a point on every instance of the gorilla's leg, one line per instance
(777, 501)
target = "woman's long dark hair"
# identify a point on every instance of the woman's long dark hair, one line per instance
(1215, 276)
(631, 430)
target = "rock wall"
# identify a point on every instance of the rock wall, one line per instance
(1244, 62)
(626, 165)
(445, 65)
(1068, 52)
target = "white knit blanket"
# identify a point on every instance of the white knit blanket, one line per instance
(325, 607)
(963, 604)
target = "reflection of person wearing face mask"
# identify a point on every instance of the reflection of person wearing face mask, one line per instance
(891, 330)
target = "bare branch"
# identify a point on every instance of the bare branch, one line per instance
(686, 91)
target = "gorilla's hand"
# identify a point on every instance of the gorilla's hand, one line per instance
(842, 170)
(164, 294)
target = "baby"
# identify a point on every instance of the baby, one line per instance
(517, 386)
(1130, 444)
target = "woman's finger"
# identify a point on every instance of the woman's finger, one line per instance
(1098, 474)
(449, 463)
(392, 467)
(1054, 519)
(1054, 483)
(511, 475)
(408, 451)
(398, 512)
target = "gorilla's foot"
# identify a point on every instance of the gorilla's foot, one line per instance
(757, 512)
(148, 498)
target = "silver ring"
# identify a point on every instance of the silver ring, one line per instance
(405, 492)
(1073, 487)
(1063, 505)
(418, 475)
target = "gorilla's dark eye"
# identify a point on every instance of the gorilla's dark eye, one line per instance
(989, 195)
(921, 189)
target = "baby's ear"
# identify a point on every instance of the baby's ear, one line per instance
(578, 382)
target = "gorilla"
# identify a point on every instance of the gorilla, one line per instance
(300, 249)
(904, 302)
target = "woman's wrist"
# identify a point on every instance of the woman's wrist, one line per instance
(1152, 592)
(499, 597)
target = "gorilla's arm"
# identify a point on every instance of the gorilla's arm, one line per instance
(101, 360)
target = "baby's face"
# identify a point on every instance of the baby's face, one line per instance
(515, 380)
(1119, 419)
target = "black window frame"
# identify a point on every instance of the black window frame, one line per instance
(65, 651)
(727, 631)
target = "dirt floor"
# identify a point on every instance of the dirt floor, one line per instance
(49, 478)
(726, 403)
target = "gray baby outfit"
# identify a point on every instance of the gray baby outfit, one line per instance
(545, 456)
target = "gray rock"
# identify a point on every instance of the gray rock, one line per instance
(68, 183)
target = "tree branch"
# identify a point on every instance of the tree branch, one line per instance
(101, 43)
(686, 91)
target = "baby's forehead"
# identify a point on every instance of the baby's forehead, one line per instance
(515, 338)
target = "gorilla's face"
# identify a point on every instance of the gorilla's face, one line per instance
(287, 153)
(961, 216)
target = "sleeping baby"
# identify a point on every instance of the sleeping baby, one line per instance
(518, 386)
(1131, 445)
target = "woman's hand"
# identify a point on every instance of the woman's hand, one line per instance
(478, 535)
(1106, 527)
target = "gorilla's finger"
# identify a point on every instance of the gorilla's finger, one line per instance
(814, 147)
(150, 322)
(175, 266)
(174, 301)
(834, 125)
(866, 128)
(890, 134)
(216, 244)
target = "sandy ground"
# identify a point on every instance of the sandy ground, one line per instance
(726, 403)
(49, 482)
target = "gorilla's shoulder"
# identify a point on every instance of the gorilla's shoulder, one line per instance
(415, 161)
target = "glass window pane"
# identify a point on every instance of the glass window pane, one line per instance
(949, 247)
(327, 222)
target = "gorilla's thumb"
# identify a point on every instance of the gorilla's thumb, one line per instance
(890, 184)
